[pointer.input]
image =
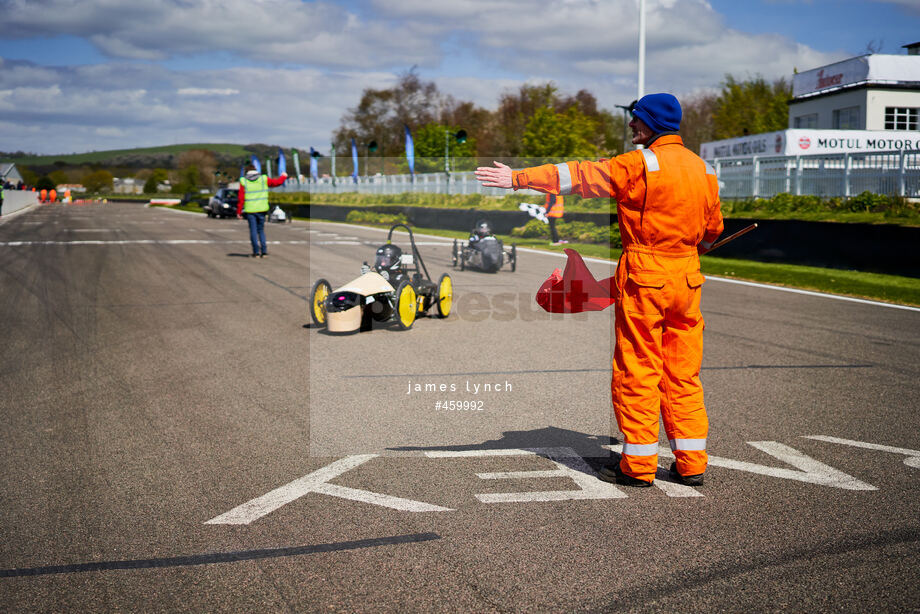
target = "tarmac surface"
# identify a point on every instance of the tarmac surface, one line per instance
(177, 436)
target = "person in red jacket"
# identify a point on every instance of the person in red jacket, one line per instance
(256, 206)
(669, 211)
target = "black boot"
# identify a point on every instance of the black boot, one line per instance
(686, 480)
(613, 474)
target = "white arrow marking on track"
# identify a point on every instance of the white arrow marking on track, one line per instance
(809, 470)
(143, 242)
(317, 482)
(913, 456)
(570, 465)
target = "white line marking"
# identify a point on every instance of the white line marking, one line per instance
(173, 210)
(569, 465)
(813, 293)
(144, 242)
(478, 453)
(810, 470)
(94, 230)
(317, 482)
(713, 277)
(913, 456)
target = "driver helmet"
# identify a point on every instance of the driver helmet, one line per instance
(388, 257)
(483, 229)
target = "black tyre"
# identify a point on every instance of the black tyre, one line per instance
(321, 290)
(513, 258)
(453, 254)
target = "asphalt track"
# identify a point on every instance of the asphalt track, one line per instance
(176, 437)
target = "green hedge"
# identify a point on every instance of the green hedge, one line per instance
(877, 207)
(369, 217)
(576, 232)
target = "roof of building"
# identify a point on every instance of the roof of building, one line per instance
(867, 70)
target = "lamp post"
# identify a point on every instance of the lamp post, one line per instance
(641, 49)
(460, 136)
(369, 148)
(626, 109)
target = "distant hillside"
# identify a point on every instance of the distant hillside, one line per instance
(142, 157)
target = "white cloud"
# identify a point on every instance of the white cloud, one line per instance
(911, 6)
(281, 31)
(105, 107)
(303, 64)
(200, 91)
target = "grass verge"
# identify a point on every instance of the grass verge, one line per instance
(860, 284)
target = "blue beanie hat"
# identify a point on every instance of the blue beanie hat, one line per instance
(660, 112)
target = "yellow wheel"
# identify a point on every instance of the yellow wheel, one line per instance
(445, 295)
(406, 305)
(321, 290)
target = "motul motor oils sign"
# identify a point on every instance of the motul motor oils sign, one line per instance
(798, 142)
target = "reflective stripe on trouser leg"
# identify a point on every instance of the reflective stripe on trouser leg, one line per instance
(682, 408)
(636, 399)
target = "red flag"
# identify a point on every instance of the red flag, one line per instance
(575, 290)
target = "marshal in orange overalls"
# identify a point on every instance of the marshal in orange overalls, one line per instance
(667, 203)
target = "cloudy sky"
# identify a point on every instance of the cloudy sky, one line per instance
(83, 75)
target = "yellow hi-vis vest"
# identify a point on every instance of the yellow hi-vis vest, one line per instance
(255, 193)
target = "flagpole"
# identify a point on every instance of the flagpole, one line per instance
(641, 49)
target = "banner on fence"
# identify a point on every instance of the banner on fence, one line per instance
(799, 142)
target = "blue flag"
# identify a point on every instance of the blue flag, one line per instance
(255, 163)
(282, 165)
(410, 151)
(314, 170)
(354, 161)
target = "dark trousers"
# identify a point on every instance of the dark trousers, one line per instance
(554, 234)
(257, 232)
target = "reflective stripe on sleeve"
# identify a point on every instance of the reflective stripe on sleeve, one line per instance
(651, 160)
(687, 444)
(640, 449)
(565, 179)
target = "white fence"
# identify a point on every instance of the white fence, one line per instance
(848, 174)
(886, 172)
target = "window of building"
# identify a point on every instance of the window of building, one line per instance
(901, 118)
(806, 121)
(846, 119)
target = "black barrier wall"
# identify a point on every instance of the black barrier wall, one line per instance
(876, 248)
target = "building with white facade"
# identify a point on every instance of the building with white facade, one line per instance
(869, 92)
(868, 103)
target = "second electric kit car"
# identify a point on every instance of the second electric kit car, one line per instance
(396, 289)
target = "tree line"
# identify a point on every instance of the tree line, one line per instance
(532, 125)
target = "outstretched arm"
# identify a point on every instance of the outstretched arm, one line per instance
(498, 176)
